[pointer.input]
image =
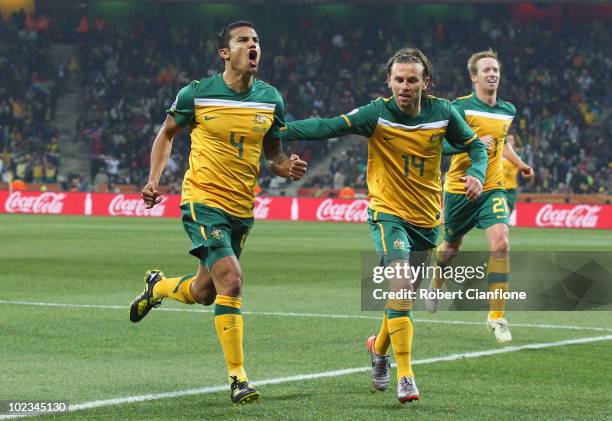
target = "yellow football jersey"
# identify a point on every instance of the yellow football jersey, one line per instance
(484, 120)
(227, 131)
(404, 152)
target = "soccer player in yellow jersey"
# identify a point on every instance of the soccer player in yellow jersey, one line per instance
(490, 117)
(232, 117)
(405, 135)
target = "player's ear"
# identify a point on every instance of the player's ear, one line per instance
(224, 53)
(473, 77)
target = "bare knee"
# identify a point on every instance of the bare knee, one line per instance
(500, 245)
(228, 279)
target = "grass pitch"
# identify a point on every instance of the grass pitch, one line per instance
(295, 273)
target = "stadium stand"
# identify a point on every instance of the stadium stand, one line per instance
(553, 72)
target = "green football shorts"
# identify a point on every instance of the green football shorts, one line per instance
(511, 195)
(394, 238)
(214, 233)
(461, 215)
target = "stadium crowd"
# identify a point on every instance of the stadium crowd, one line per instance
(29, 88)
(553, 74)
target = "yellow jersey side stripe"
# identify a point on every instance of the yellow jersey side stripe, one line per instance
(205, 102)
(193, 215)
(382, 237)
(346, 119)
(425, 126)
(488, 115)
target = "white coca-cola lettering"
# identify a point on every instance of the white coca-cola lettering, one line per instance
(261, 209)
(580, 216)
(49, 203)
(355, 211)
(122, 206)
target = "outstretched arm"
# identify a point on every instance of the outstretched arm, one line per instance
(281, 165)
(317, 128)
(160, 153)
(511, 155)
(361, 121)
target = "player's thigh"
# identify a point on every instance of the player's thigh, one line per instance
(493, 209)
(459, 216)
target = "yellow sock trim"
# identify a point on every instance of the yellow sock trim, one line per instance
(383, 340)
(399, 305)
(230, 330)
(497, 307)
(175, 288)
(225, 300)
(401, 331)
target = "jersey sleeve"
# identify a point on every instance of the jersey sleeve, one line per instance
(279, 118)
(361, 121)
(460, 136)
(183, 107)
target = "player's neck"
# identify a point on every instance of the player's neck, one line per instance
(236, 81)
(488, 97)
(411, 110)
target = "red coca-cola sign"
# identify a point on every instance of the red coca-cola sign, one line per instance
(546, 215)
(42, 203)
(132, 205)
(581, 216)
(343, 210)
(125, 206)
(553, 215)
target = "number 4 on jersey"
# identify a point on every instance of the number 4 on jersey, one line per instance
(239, 144)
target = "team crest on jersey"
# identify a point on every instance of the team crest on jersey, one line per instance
(399, 244)
(436, 138)
(216, 233)
(259, 119)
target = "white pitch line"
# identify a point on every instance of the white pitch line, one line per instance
(325, 374)
(291, 314)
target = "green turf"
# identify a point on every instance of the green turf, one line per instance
(85, 354)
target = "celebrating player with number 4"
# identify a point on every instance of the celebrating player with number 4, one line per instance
(232, 116)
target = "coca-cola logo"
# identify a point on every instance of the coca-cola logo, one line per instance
(261, 210)
(48, 203)
(355, 211)
(123, 206)
(580, 216)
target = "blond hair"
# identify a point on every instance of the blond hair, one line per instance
(472, 64)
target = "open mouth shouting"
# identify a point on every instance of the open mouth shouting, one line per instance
(253, 57)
